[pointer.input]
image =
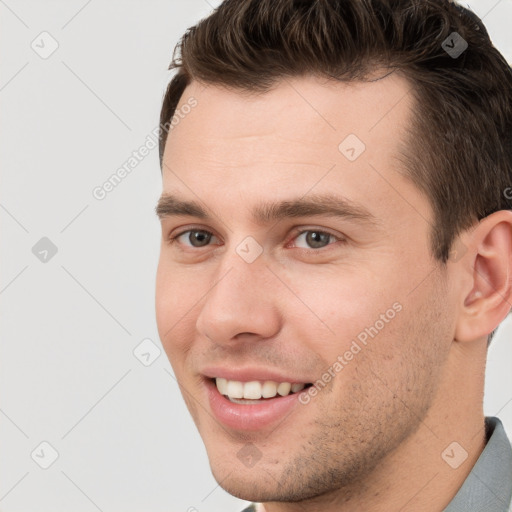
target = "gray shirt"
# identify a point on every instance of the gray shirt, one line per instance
(488, 487)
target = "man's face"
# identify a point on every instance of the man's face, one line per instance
(351, 301)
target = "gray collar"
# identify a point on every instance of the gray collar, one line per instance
(488, 486)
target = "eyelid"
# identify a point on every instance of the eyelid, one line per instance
(172, 238)
(299, 231)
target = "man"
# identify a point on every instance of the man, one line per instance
(337, 251)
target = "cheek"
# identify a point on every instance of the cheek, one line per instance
(346, 307)
(174, 310)
(367, 330)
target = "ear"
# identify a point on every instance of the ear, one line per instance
(490, 271)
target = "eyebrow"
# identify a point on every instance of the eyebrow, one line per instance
(170, 205)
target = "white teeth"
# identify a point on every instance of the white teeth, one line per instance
(255, 390)
(252, 390)
(284, 388)
(235, 389)
(222, 386)
(269, 389)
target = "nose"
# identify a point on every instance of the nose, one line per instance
(241, 302)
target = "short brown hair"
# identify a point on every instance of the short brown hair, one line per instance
(459, 147)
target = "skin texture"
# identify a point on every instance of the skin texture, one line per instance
(372, 439)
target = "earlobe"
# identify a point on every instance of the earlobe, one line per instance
(489, 300)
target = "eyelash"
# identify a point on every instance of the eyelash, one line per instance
(173, 239)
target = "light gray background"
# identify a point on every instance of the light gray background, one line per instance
(68, 374)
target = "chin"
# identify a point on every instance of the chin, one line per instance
(250, 483)
(253, 485)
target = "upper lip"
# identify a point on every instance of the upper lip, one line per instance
(248, 374)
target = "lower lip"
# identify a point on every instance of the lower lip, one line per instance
(249, 417)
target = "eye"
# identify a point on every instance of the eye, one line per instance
(194, 238)
(306, 239)
(314, 238)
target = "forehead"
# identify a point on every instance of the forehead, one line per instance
(300, 102)
(304, 135)
(297, 116)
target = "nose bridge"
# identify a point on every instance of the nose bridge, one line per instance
(239, 299)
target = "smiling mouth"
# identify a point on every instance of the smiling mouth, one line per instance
(253, 392)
